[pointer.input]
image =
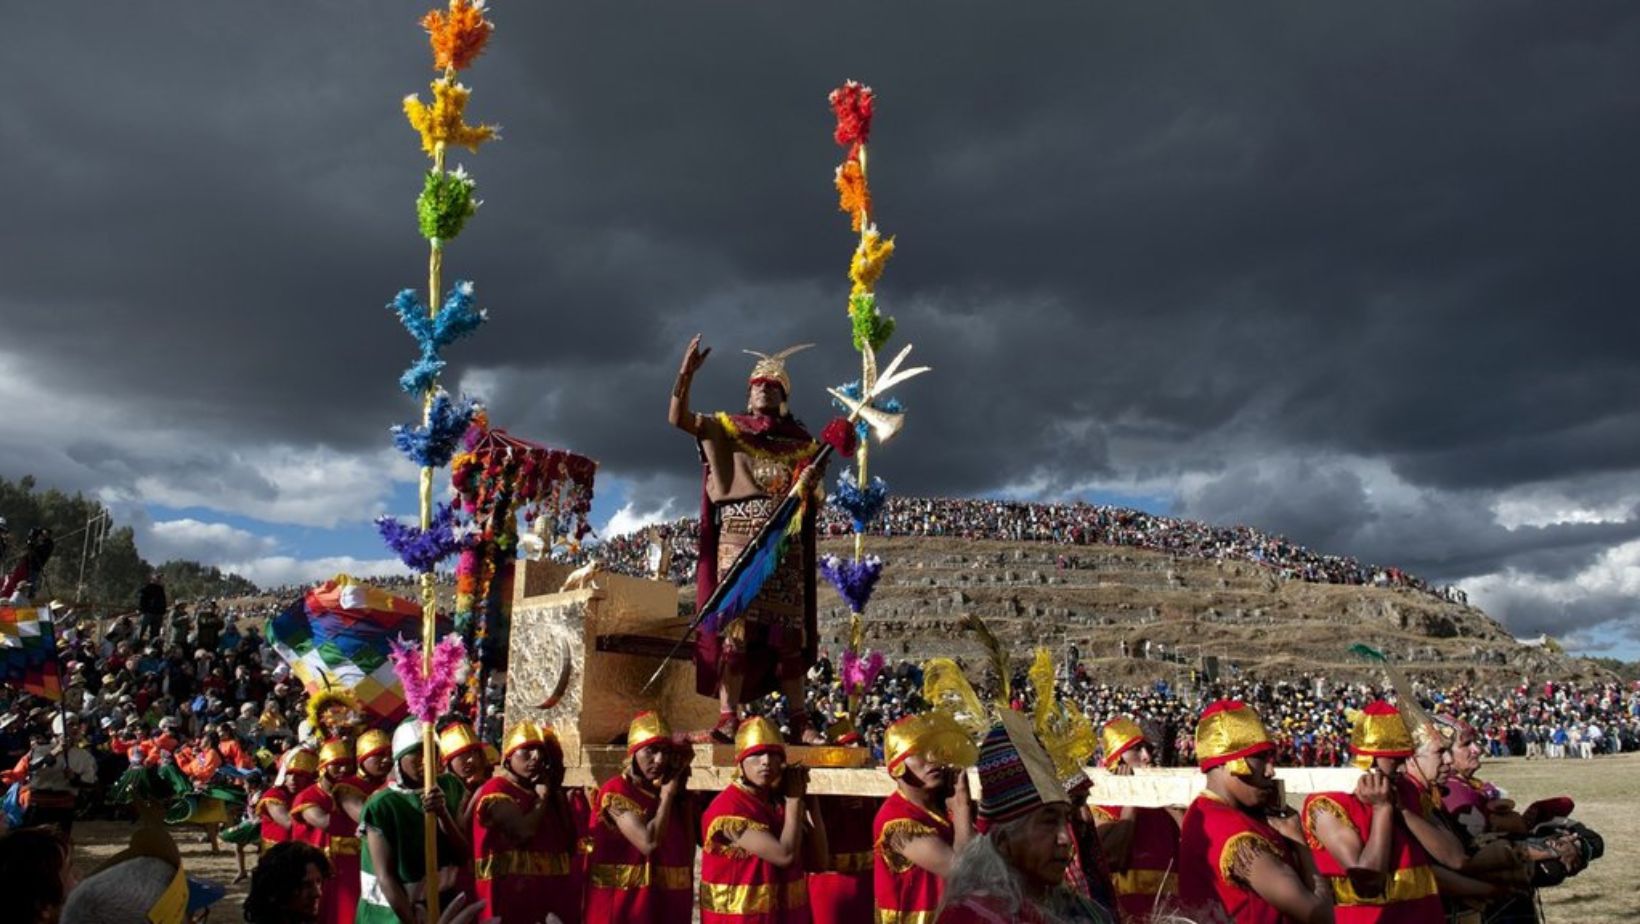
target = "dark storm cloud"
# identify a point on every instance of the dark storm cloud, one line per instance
(1136, 241)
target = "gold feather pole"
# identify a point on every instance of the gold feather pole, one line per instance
(457, 35)
(997, 654)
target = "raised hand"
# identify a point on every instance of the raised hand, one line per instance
(693, 356)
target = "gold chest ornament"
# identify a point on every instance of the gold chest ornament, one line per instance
(773, 476)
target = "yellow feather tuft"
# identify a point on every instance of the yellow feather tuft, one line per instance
(947, 689)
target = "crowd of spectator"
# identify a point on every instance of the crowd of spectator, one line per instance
(200, 684)
(1310, 717)
(1061, 524)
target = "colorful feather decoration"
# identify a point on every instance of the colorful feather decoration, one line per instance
(854, 580)
(761, 560)
(860, 672)
(947, 689)
(428, 696)
(997, 654)
(422, 549)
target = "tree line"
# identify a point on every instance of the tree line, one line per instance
(112, 569)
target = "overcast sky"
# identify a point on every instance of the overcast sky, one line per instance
(1363, 275)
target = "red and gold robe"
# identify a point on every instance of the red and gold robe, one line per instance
(272, 831)
(1410, 893)
(1214, 841)
(1152, 867)
(905, 892)
(841, 894)
(339, 841)
(523, 881)
(737, 887)
(627, 887)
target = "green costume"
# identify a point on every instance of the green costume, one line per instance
(395, 813)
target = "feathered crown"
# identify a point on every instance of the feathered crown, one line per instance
(333, 711)
(773, 367)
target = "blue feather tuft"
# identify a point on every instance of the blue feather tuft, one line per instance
(455, 319)
(861, 504)
(432, 445)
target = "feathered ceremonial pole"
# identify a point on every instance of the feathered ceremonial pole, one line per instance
(457, 36)
(861, 496)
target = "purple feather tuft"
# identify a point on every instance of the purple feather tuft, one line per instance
(422, 549)
(854, 580)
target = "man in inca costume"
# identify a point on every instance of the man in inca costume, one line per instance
(751, 461)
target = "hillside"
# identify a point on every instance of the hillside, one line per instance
(1185, 608)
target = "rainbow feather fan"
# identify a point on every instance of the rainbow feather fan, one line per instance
(761, 560)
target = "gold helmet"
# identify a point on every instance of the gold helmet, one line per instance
(302, 760)
(375, 741)
(1119, 736)
(527, 734)
(757, 735)
(933, 733)
(334, 751)
(455, 740)
(647, 728)
(1379, 731)
(1230, 731)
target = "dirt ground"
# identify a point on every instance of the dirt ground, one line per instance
(1607, 791)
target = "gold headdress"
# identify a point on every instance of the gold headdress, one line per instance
(1119, 736)
(1379, 731)
(755, 736)
(947, 689)
(334, 751)
(934, 734)
(647, 728)
(1066, 733)
(334, 712)
(527, 734)
(1229, 732)
(457, 739)
(374, 741)
(302, 760)
(773, 367)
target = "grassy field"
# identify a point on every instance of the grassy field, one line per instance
(1607, 791)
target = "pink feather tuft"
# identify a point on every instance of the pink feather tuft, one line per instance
(860, 673)
(429, 696)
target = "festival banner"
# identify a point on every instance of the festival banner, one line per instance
(338, 636)
(28, 652)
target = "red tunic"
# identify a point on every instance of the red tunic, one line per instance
(1212, 837)
(339, 841)
(1410, 893)
(524, 882)
(272, 831)
(905, 891)
(1152, 867)
(842, 893)
(737, 887)
(625, 886)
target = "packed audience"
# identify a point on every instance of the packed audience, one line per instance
(1060, 524)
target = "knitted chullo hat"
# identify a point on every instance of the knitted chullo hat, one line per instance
(1016, 775)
